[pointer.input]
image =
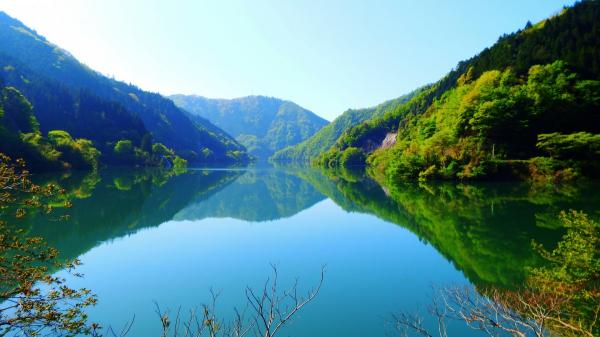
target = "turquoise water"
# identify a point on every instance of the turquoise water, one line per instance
(144, 238)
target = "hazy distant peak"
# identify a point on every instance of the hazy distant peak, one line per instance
(261, 123)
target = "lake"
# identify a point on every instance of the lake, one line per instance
(147, 238)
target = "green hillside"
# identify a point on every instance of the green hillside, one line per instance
(69, 95)
(21, 138)
(326, 137)
(528, 107)
(262, 124)
(56, 149)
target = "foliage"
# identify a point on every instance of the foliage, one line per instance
(547, 170)
(579, 145)
(179, 164)
(238, 156)
(262, 124)
(573, 276)
(350, 157)
(494, 118)
(125, 153)
(20, 136)
(559, 299)
(160, 149)
(123, 147)
(490, 109)
(67, 95)
(18, 112)
(80, 153)
(322, 140)
(32, 301)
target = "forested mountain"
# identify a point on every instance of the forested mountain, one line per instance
(20, 137)
(529, 106)
(68, 95)
(262, 124)
(326, 137)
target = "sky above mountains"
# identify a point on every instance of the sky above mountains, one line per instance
(326, 56)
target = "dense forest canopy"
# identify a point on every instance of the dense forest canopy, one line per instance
(46, 150)
(527, 106)
(68, 95)
(20, 137)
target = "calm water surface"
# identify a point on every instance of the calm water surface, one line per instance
(144, 238)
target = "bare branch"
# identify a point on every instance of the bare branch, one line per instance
(271, 309)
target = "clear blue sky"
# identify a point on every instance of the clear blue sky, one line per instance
(325, 55)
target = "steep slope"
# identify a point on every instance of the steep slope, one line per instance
(20, 138)
(534, 93)
(262, 124)
(81, 113)
(57, 74)
(326, 137)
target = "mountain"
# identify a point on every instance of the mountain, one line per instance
(68, 95)
(325, 138)
(262, 124)
(20, 138)
(527, 107)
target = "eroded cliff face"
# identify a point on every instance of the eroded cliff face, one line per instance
(389, 140)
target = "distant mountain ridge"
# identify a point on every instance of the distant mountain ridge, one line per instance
(59, 86)
(262, 124)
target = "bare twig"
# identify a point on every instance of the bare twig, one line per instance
(271, 309)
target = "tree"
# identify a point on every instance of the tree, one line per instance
(352, 157)
(579, 145)
(561, 299)
(60, 138)
(271, 310)
(79, 154)
(573, 277)
(161, 150)
(88, 152)
(33, 302)
(179, 164)
(18, 112)
(123, 147)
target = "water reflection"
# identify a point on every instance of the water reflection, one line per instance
(116, 203)
(257, 195)
(484, 229)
